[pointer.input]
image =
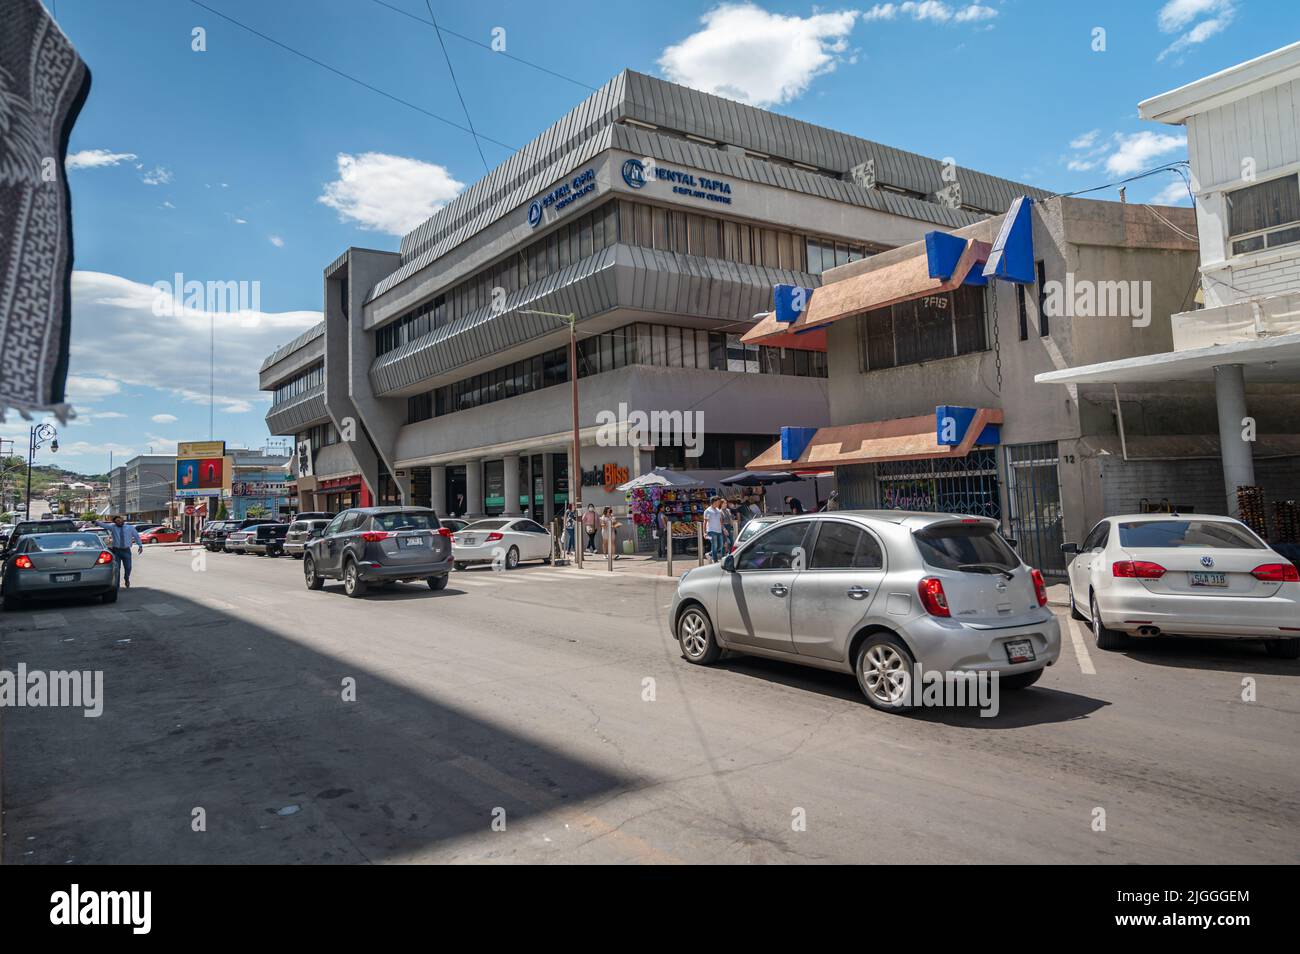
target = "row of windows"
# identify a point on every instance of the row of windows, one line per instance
(631, 223)
(311, 378)
(665, 346)
(926, 329)
(717, 451)
(1267, 214)
(320, 436)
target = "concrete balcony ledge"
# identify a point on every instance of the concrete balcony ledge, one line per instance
(1251, 320)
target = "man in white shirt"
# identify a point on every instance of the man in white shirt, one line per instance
(713, 527)
(123, 535)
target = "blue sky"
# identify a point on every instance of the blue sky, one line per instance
(243, 162)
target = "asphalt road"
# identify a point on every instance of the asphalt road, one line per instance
(541, 715)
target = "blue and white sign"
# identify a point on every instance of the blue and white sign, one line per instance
(687, 184)
(562, 196)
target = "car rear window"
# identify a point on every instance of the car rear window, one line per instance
(1202, 534)
(976, 547)
(487, 524)
(405, 521)
(68, 541)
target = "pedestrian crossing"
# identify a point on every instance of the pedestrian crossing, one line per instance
(483, 578)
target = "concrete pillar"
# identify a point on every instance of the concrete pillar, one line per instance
(473, 488)
(510, 467)
(548, 481)
(438, 489)
(1238, 461)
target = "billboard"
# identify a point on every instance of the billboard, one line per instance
(201, 449)
(203, 476)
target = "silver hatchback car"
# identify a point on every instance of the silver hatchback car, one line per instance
(876, 594)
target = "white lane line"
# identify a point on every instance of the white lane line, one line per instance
(162, 609)
(1080, 647)
(49, 620)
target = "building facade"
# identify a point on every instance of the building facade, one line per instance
(657, 217)
(143, 488)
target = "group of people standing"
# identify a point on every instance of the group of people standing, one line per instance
(592, 523)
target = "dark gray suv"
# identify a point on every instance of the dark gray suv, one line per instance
(379, 545)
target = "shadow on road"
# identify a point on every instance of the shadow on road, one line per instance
(1038, 705)
(206, 711)
(1218, 655)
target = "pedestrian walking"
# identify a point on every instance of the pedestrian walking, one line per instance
(713, 527)
(661, 531)
(609, 531)
(570, 529)
(123, 535)
(590, 524)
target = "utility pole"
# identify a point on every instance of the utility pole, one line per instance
(40, 433)
(575, 479)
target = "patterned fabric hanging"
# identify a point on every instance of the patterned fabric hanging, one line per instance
(43, 84)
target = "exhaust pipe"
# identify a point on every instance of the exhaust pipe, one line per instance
(1148, 630)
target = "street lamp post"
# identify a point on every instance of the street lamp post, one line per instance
(40, 434)
(575, 478)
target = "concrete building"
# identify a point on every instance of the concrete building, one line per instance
(660, 218)
(143, 487)
(919, 333)
(1237, 357)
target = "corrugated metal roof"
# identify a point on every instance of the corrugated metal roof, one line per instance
(282, 352)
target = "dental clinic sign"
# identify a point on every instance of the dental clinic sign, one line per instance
(638, 172)
(562, 196)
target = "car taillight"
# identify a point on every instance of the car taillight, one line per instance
(1276, 573)
(492, 537)
(23, 562)
(444, 532)
(932, 596)
(1137, 570)
(1040, 588)
(104, 557)
(374, 536)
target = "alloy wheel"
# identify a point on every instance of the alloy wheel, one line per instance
(694, 634)
(886, 674)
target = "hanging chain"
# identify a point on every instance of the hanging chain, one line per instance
(997, 344)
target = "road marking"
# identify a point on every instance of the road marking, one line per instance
(162, 609)
(49, 620)
(1080, 647)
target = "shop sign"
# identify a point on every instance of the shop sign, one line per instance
(609, 476)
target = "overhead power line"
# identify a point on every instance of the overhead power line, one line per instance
(456, 85)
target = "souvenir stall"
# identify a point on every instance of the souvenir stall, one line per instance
(684, 499)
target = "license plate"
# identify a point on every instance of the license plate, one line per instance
(64, 577)
(412, 541)
(1020, 650)
(1207, 579)
(469, 541)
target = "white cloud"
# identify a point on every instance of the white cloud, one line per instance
(164, 418)
(157, 176)
(746, 53)
(97, 158)
(276, 241)
(1136, 152)
(83, 390)
(1085, 141)
(124, 342)
(386, 193)
(933, 11)
(1177, 14)
(1175, 193)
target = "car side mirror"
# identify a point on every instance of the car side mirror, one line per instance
(729, 563)
(1069, 548)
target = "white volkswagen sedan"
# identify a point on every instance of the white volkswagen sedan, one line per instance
(1168, 574)
(503, 541)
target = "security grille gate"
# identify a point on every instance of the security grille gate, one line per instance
(1034, 506)
(958, 485)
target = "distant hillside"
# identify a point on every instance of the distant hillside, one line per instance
(13, 472)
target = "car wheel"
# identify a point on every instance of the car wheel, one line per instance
(1020, 680)
(1104, 636)
(884, 671)
(314, 582)
(110, 596)
(695, 636)
(353, 585)
(1283, 648)
(512, 558)
(1074, 609)
(437, 582)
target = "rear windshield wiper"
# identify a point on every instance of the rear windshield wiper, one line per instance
(992, 567)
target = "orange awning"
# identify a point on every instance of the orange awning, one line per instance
(899, 281)
(905, 438)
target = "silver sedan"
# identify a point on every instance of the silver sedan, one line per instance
(54, 565)
(885, 595)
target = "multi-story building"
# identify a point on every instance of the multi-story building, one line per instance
(143, 487)
(658, 217)
(1238, 355)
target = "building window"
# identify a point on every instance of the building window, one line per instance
(311, 378)
(1022, 312)
(1265, 215)
(925, 329)
(1044, 329)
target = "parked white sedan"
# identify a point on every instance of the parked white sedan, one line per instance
(502, 541)
(1184, 575)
